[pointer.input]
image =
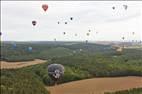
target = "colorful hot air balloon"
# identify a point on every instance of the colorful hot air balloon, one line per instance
(45, 7)
(55, 71)
(34, 23)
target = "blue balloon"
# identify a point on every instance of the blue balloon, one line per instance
(14, 46)
(30, 48)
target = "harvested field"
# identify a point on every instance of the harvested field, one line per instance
(14, 65)
(97, 85)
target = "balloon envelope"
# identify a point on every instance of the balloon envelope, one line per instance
(64, 33)
(45, 7)
(30, 48)
(65, 22)
(34, 23)
(125, 7)
(71, 18)
(14, 45)
(55, 71)
(87, 34)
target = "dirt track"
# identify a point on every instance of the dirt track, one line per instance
(14, 65)
(97, 85)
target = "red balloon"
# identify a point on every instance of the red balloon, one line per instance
(45, 7)
(34, 23)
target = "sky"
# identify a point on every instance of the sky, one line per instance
(105, 23)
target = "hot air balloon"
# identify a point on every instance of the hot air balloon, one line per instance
(119, 50)
(133, 33)
(123, 38)
(55, 71)
(30, 49)
(66, 23)
(71, 18)
(45, 7)
(113, 7)
(54, 39)
(89, 30)
(125, 7)
(87, 34)
(64, 33)
(14, 45)
(34, 23)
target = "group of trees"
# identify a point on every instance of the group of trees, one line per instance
(20, 82)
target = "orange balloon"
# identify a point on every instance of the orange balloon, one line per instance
(45, 7)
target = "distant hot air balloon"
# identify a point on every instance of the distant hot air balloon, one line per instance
(30, 48)
(87, 34)
(55, 71)
(66, 23)
(125, 7)
(14, 45)
(75, 34)
(113, 7)
(64, 33)
(34, 23)
(123, 38)
(54, 39)
(119, 50)
(45, 7)
(71, 18)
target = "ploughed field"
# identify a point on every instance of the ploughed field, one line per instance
(14, 65)
(97, 85)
